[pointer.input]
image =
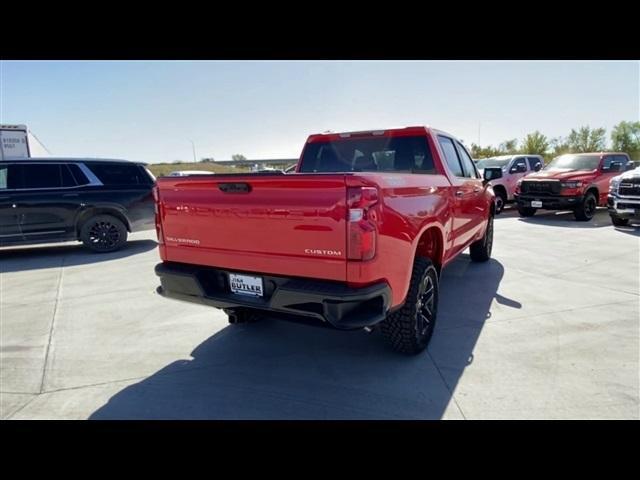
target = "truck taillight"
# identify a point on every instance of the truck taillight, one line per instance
(361, 244)
(157, 209)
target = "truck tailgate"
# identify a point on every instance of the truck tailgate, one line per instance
(290, 225)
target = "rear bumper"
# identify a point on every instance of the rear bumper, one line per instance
(623, 207)
(556, 202)
(334, 303)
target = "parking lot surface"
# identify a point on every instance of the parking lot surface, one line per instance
(547, 329)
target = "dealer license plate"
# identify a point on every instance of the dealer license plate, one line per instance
(246, 285)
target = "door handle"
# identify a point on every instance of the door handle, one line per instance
(70, 195)
(459, 193)
(13, 205)
(476, 189)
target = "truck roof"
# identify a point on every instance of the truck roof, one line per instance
(383, 132)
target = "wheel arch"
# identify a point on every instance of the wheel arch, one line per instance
(102, 210)
(430, 244)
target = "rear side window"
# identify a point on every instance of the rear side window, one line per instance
(112, 174)
(620, 160)
(370, 154)
(450, 155)
(39, 175)
(467, 164)
(533, 161)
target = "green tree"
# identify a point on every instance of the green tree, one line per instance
(559, 146)
(625, 137)
(237, 156)
(536, 143)
(509, 146)
(483, 152)
(587, 139)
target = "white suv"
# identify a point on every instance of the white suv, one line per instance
(514, 167)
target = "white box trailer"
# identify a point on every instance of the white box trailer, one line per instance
(14, 142)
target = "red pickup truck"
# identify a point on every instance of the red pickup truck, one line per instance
(575, 181)
(355, 238)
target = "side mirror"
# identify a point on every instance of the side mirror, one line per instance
(630, 166)
(537, 167)
(520, 168)
(491, 173)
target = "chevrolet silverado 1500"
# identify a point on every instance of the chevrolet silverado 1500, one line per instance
(355, 238)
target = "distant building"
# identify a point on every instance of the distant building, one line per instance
(17, 141)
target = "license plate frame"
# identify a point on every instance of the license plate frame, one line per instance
(536, 203)
(248, 285)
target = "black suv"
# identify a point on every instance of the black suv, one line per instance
(60, 199)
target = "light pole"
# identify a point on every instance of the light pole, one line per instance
(194, 151)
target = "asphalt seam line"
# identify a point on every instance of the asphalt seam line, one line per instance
(53, 322)
(453, 397)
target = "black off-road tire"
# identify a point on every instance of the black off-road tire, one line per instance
(242, 315)
(410, 328)
(501, 200)
(480, 250)
(103, 234)
(526, 211)
(619, 222)
(587, 209)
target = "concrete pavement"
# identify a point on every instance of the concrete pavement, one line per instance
(549, 328)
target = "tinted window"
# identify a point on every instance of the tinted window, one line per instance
(450, 156)
(10, 177)
(620, 159)
(371, 154)
(533, 161)
(67, 178)
(79, 177)
(467, 163)
(519, 161)
(38, 175)
(117, 173)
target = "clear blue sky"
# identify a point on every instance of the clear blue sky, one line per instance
(263, 109)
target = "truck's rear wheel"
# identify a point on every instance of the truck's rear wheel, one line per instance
(619, 222)
(526, 211)
(480, 250)
(409, 329)
(103, 233)
(587, 209)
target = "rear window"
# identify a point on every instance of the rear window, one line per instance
(382, 154)
(118, 174)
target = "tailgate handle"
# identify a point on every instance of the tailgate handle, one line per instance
(234, 187)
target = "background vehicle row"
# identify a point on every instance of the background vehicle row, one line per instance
(61, 199)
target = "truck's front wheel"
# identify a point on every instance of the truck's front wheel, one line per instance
(409, 329)
(619, 222)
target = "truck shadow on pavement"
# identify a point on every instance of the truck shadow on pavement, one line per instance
(274, 369)
(20, 259)
(566, 219)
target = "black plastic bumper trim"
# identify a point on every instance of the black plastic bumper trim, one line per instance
(550, 202)
(339, 305)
